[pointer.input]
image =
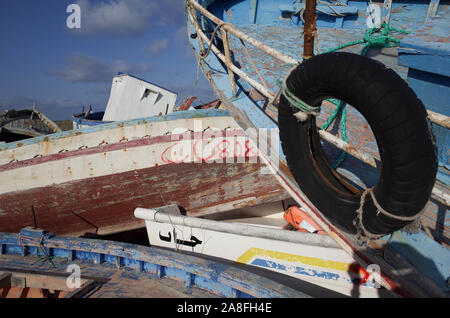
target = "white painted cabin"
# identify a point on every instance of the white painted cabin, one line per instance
(132, 98)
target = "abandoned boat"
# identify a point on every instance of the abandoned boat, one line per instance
(92, 179)
(130, 98)
(258, 240)
(385, 173)
(37, 264)
(133, 98)
(25, 123)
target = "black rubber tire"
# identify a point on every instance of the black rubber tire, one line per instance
(398, 120)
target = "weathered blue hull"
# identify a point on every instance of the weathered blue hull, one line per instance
(34, 258)
(422, 59)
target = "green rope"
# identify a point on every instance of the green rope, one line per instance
(295, 101)
(370, 40)
(339, 105)
(383, 40)
(340, 108)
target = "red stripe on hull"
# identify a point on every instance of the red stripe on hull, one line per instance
(119, 146)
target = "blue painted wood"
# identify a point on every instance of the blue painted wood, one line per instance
(219, 278)
(432, 259)
(426, 52)
(189, 280)
(340, 20)
(79, 122)
(253, 9)
(407, 13)
(321, 9)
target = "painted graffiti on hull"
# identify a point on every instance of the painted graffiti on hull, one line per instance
(212, 145)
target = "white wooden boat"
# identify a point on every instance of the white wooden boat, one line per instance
(92, 179)
(313, 262)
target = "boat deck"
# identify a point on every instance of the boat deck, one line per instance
(359, 134)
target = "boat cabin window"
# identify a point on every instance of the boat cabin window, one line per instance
(150, 94)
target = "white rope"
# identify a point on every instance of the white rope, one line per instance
(364, 234)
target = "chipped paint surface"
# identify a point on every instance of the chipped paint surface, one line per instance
(93, 181)
(284, 33)
(286, 36)
(126, 270)
(328, 267)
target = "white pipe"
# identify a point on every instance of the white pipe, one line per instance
(153, 215)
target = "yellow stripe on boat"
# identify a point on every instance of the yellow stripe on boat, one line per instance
(306, 260)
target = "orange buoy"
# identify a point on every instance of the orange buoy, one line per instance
(301, 220)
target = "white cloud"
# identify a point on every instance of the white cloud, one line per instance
(128, 17)
(157, 46)
(81, 68)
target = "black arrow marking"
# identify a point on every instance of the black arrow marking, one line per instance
(193, 242)
(165, 238)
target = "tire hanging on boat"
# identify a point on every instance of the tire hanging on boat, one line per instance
(398, 120)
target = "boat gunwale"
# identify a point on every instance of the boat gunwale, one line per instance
(219, 273)
(189, 114)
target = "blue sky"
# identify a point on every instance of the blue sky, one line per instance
(61, 69)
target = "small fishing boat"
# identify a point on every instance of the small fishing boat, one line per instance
(25, 123)
(90, 180)
(140, 152)
(142, 99)
(360, 94)
(308, 259)
(37, 264)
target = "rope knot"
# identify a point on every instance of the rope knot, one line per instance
(305, 110)
(383, 40)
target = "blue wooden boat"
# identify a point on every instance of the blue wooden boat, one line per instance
(265, 60)
(37, 264)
